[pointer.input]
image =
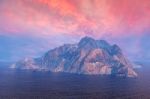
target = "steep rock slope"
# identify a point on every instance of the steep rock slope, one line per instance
(89, 56)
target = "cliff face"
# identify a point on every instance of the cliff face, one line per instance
(89, 56)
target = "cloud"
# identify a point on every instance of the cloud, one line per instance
(54, 22)
(74, 17)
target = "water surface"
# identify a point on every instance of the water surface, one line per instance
(26, 84)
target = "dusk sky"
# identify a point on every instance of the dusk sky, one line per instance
(29, 28)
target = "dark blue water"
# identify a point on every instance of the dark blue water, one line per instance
(23, 84)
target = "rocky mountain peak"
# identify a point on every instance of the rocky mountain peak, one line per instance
(116, 49)
(89, 56)
(87, 42)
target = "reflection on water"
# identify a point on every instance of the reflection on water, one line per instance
(21, 84)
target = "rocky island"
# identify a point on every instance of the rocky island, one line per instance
(89, 56)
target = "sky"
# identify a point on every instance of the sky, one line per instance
(29, 28)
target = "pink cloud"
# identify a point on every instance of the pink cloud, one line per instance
(74, 17)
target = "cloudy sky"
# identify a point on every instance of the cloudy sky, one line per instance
(28, 28)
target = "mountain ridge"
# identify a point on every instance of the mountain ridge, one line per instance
(89, 56)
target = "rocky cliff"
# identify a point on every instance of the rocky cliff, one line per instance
(89, 56)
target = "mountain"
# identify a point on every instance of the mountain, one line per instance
(89, 56)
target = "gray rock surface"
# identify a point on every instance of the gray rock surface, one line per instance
(89, 56)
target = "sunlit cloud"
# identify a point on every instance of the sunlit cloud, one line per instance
(73, 19)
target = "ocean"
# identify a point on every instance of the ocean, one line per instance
(28, 84)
